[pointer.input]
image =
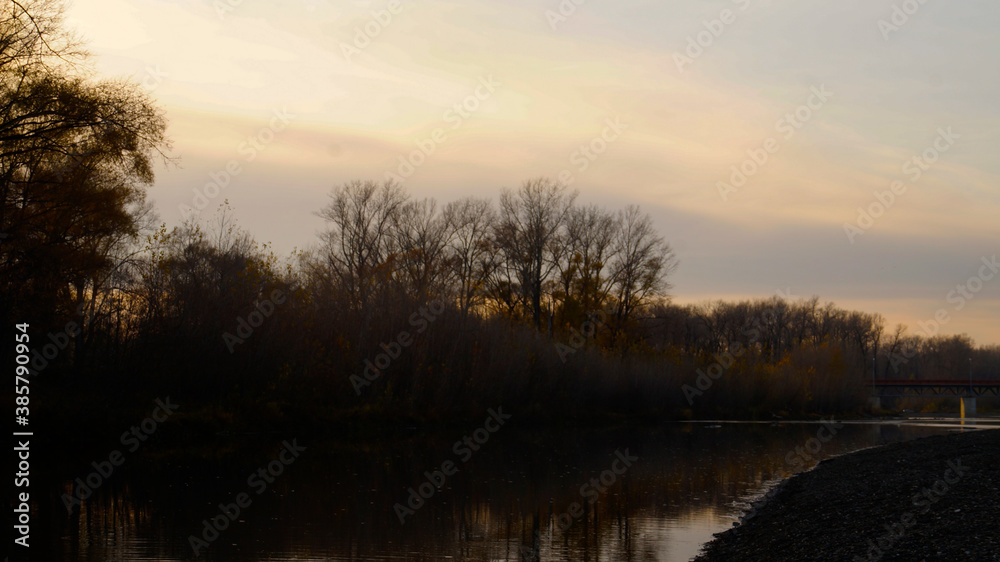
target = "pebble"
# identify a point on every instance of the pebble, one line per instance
(873, 504)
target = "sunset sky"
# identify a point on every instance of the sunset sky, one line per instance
(840, 102)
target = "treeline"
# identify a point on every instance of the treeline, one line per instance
(454, 305)
(426, 313)
(815, 356)
(403, 308)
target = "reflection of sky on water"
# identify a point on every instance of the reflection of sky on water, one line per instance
(336, 502)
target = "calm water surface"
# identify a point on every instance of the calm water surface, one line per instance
(521, 496)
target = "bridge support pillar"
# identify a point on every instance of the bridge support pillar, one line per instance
(875, 402)
(968, 406)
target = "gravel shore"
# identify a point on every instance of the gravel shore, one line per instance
(936, 498)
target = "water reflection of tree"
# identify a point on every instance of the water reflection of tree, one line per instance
(502, 504)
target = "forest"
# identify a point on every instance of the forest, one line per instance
(405, 309)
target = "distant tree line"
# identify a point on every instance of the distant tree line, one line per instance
(530, 257)
(561, 309)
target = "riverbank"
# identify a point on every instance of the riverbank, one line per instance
(936, 498)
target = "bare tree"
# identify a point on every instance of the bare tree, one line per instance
(33, 38)
(420, 236)
(895, 351)
(588, 239)
(357, 248)
(863, 331)
(529, 222)
(641, 263)
(472, 251)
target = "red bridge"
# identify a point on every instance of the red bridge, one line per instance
(967, 389)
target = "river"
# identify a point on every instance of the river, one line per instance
(505, 494)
